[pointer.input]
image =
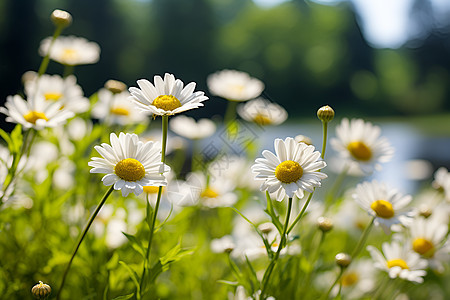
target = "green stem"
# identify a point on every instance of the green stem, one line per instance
(324, 142)
(325, 296)
(268, 273)
(230, 113)
(359, 246)
(46, 59)
(80, 240)
(362, 240)
(165, 125)
(302, 212)
(313, 261)
(68, 70)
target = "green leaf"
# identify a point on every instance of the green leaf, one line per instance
(271, 212)
(17, 138)
(134, 277)
(136, 244)
(124, 297)
(5, 136)
(113, 261)
(231, 283)
(149, 214)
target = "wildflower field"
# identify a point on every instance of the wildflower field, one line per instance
(116, 195)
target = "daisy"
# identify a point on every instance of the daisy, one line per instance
(385, 204)
(293, 170)
(168, 96)
(54, 88)
(71, 50)
(360, 143)
(441, 182)
(234, 85)
(196, 190)
(129, 164)
(36, 113)
(262, 112)
(399, 262)
(428, 238)
(189, 128)
(117, 109)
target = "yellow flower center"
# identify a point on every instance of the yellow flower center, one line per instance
(359, 150)
(349, 279)
(166, 102)
(383, 209)
(423, 247)
(151, 189)
(209, 193)
(120, 111)
(32, 116)
(52, 96)
(397, 263)
(288, 171)
(129, 169)
(69, 54)
(260, 119)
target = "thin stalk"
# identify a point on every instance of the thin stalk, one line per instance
(358, 248)
(230, 113)
(313, 260)
(80, 240)
(325, 296)
(68, 70)
(165, 123)
(302, 212)
(268, 273)
(324, 142)
(46, 59)
(363, 239)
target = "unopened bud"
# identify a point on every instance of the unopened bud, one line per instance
(41, 290)
(325, 114)
(115, 86)
(425, 211)
(325, 224)
(228, 248)
(266, 227)
(61, 18)
(303, 139)
(343, 259)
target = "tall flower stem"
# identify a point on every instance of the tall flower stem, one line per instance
(46, 59)
(165, 123)
(324, 141)
(313, 261)
(268, 273)
(80, 239)
(230, 113)
(356, 251)
(302, 212)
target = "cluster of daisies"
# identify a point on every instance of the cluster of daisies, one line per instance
(55, 106)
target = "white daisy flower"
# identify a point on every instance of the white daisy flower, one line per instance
(189, 128)
(71, 50)
(35, 113)
(234, 85)
(168, 96)
(385, 204)
(129, 164)
(293, 170)
(262, 112)
(441, 182)
(117, 109)
(197, 191)
(399, 261)
(428, 238)
(54, 88)
(360, 143)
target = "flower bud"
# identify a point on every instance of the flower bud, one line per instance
(325, 114)
(325, 224)
(266, 227)
(425, 211)
(41, 290)
(61, 18)
(115, 86)
(343, 260)
(303, 139)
